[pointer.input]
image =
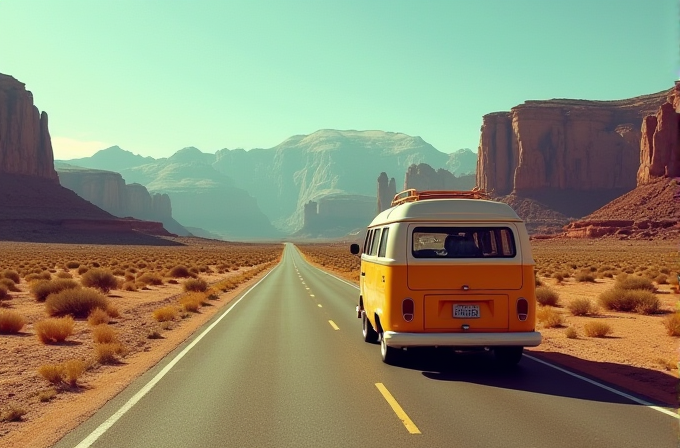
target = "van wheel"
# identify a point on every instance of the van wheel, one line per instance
(390, 355)
(508, 356)
(370, 335)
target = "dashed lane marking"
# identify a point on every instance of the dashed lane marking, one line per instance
(408, 423)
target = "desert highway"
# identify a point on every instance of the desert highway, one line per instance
(286, 366)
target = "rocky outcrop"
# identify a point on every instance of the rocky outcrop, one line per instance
(108, 190)
(572, 155)
(649, 211)
(387, 189)
(25, 144)
(424, 177)
(660, 143)
(337, 215)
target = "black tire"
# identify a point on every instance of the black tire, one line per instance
(370, 335)
(508, 356)
(390, 355)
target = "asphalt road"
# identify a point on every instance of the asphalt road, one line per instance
(287, 367)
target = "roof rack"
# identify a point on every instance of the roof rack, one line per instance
(412, 195)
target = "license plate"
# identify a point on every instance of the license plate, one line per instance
(466, 311)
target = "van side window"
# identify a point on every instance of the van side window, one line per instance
(383, 242)
(367, 241)
(374, 244)
(463, 242)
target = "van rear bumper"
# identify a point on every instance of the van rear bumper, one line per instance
(524, 339)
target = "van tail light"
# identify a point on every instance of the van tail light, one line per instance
(522, 309)
(407, 309)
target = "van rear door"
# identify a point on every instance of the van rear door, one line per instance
(464, 257)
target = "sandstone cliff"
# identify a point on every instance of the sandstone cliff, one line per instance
(25, 144)
(424, 177)
(660, 144)
(572, 155)
(387, 189)
(337, 215)
(108, 190)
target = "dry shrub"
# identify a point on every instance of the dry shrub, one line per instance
(585, 276)
(4, 294)
(76, 302)
(12, 275)
(35, 276)
(672, 324)
(97, 317)
(180, 271)
(638, 300)
(109, 353)
(112, 311)
(661, 279)
(129, 286)
(546, 296)
(549, 317)
(571, 333)
(72, 370)
(150, 279)
(12, 414)
(47, 395)
(191, 302)
(51, 372)
(54, 329)
(580, 307)
(154, 334)
(11, 322)
(558, 276)
(597, 329)
(103, 334)
(67, 372)
(72, 265)
(631, 282)
(9, 284)
(42, 288)
(83, 269)
(667, 364)
(64, 274)
(195, 285)
(101, 279)
(165, 313)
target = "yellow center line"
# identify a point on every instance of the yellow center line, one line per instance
(311, 295)
(319, 305)
(410, 426)
(335, 327)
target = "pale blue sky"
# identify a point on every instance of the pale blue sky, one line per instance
(154, 76)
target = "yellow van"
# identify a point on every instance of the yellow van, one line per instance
(448, 268)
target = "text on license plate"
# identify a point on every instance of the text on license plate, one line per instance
(466, 311)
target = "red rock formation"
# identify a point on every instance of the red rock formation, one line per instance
(105, 189)
(557, 150)
(424, 177)
(660, 143)
(161, 206)
(386, 191)
(25, 144)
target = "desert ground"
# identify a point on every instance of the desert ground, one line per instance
(47, 388)
(640, 352)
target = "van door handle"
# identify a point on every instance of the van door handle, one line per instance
(363, 274)
(383, 278)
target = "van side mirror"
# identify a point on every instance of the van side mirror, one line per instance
(354, 249)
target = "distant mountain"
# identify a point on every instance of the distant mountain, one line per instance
(111, 159)
(282, 179)
(308, 167)
(463, 161)
(201, 196)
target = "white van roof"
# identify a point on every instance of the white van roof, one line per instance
(447, 210)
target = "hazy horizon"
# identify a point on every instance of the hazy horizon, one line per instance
(154, 77)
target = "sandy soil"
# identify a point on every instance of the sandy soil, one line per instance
(46, 422)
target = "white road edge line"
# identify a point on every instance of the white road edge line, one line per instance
(101, 429)
(575, 375)
(607, 388)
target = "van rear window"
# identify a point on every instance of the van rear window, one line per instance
(463, 242)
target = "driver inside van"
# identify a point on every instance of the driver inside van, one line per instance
(461, 246)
